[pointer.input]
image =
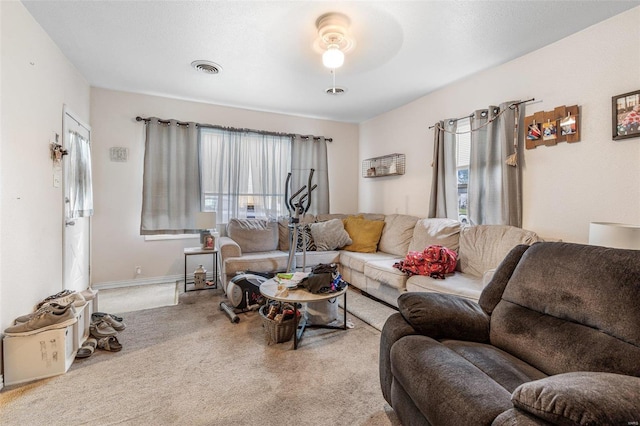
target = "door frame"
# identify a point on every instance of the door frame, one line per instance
(68, 114)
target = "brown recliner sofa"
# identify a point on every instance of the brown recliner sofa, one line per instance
(554, 339)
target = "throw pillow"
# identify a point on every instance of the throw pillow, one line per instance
(253, 235)
(364, 234)
(305, 239)
(329, 235)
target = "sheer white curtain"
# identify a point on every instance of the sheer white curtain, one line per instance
(495, 188)
(79, 177)
(243, 173)
(311, 153)
(444, 187)
(171, 181)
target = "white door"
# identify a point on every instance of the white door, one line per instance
(76, 235)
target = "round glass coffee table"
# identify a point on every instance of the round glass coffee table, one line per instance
(269, 289)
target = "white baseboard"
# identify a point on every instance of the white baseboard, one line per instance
(168, 279)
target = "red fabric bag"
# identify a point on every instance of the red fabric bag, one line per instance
(435, 261)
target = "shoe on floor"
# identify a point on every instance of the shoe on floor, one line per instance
(110, 344)
(42, 321)
(116, 325)
(74, 297)
(101, 329)
(49, 306)
(97, 316)
(87, 348)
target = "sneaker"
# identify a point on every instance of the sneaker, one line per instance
(49, 306)
(44, 320)
(101, 329)
(89, 294)
(73, 297)
(97, 316)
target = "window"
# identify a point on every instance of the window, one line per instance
(463, 154)
(243, 174)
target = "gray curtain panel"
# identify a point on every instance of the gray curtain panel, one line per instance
(307, 154)
(444, 184)
(171, 181)
(79, 177)
(495, 188)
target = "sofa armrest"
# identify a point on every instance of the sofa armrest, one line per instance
(229, 248)
(492, 293)
(441, 316)
(581, 398)
(394, 329)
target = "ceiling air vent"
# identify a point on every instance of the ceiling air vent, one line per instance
(207, 67)
(335, 91)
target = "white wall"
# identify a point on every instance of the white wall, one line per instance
(565, 186)
(117, 245)
(36, 81)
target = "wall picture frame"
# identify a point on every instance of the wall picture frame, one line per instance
(625, 115)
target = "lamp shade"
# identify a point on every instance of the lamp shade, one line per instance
(205, 220)
(616, 235)
(333, 57)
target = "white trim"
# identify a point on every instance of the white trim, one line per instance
(160, 237)
(169, 279)
(1, 381)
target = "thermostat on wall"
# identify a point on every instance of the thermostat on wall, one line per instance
(119, 154)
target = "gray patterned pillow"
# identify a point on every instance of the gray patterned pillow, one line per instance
(330, 235)
(304, 236)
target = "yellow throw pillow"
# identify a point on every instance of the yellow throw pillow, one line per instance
(364, 233)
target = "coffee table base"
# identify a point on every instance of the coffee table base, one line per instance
(302, 325)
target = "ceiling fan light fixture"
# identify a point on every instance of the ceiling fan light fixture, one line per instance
(333, 57)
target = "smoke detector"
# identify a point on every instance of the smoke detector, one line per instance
(206, 67)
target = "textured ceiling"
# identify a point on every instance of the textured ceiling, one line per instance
(404, 50)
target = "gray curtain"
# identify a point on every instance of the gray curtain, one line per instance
(241, 169)
(79, 177)
(171, 181)
(495, 188)
(307, 154)
(444, 187)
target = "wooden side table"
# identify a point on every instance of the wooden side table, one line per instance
(194, 251)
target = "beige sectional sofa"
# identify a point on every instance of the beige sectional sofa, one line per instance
(262, 246)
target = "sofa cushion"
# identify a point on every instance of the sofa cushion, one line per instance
(356, 261)
(397, 234)
(314, 258)
(428, 232)
(483, 247)
(460, 284)
(582, 398)
(384, 272)
(253, 235)
(364, 234)
(330, 235)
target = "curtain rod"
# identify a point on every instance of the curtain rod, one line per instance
(234, 129)
(469, 116)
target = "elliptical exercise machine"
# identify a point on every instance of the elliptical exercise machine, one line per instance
(243, 290)
(297, 209)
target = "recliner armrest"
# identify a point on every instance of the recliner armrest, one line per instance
(444, 316)
(582, 398)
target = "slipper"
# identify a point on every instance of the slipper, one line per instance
(99, 315)
(87, 349)
(101, 329)
(110, 344)
(116, 325)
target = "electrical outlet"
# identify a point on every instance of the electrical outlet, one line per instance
(138, 270)
(56, 181)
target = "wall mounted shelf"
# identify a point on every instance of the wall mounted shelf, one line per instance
(386, 165)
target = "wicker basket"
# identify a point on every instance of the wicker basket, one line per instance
(277, 332)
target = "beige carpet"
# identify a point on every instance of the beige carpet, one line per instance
(189, 365)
